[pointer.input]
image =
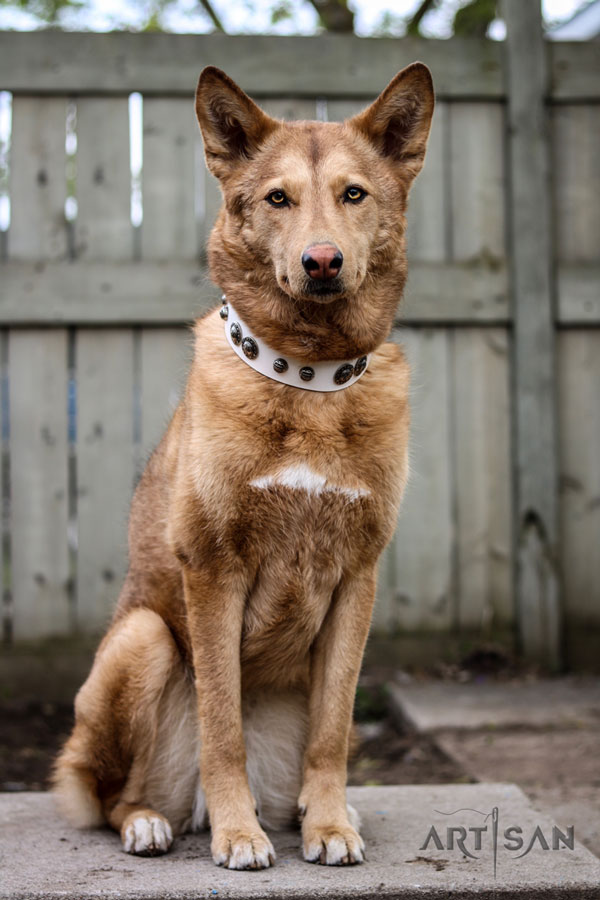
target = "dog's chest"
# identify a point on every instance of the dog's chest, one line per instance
(298, 481)
(305, 527)
(303, 496)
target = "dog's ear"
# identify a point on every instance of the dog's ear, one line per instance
(232, 125)
(398, 122)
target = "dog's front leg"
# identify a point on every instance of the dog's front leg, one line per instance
(215, 617)
(328, 836)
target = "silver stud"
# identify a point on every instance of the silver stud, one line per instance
(250, 348)
(280, 365)
(236, 333)
(360, 365)
(307, 373)
(224, 312)
(344, 373)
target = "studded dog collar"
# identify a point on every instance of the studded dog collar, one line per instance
(314, 376)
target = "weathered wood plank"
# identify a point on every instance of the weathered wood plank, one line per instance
(479, 412)
(477, 181)
(39, 484)
(576, 182)
(211, 202)
(263, 66)
(163, 292)
(427, 228)
(38, 183)
(579, 294)
(480, 427)
(574, 68)
(38, 382)
(290, 108)
(51, 62)
(535, 453)
(181, 200)
(104, 292)
(579, 430)
(103, 227)
(5, 485)
(170, 133)
(164, 360)
(339, 110)
(105, 469)
(104, 362)
(419, 565)
(452, 292)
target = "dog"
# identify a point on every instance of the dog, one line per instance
(223, 692)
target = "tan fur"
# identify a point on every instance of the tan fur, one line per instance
(248, 601)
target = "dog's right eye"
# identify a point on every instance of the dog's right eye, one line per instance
(277, 198)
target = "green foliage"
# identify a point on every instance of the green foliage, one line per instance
(474, 19)
(281, 12)
(413, 26)
(471, 19)
(390, 25)
(49, 12)
(371, 703)
(45, 10)
(153, 23)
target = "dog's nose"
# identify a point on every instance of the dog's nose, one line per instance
(322, 261)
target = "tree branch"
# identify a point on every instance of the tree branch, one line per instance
(414, 23)
(207, 6)
(335, 15)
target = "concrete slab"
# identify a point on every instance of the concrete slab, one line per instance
(577, 804)
(41, 858)
(531, 758)
(558, 770)
(553, 703)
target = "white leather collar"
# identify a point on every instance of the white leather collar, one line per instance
(333, 375)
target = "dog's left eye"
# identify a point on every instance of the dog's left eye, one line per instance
(354, 194)
(276, 198)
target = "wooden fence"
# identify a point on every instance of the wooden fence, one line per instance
(494, 534)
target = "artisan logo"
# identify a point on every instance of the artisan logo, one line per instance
(512, 838)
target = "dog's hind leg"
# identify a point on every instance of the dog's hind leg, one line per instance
(102, 772)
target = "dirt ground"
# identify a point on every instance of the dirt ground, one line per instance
(384, 753)
(31, 734)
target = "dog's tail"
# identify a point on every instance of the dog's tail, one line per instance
(75, 786)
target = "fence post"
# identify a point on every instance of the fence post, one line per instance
(535, 466)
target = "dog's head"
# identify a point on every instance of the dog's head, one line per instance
(314, 211)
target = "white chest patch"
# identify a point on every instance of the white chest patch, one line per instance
(300, 477)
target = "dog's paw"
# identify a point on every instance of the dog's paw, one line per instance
(333, 845)
(237, 849)
(146, 834)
